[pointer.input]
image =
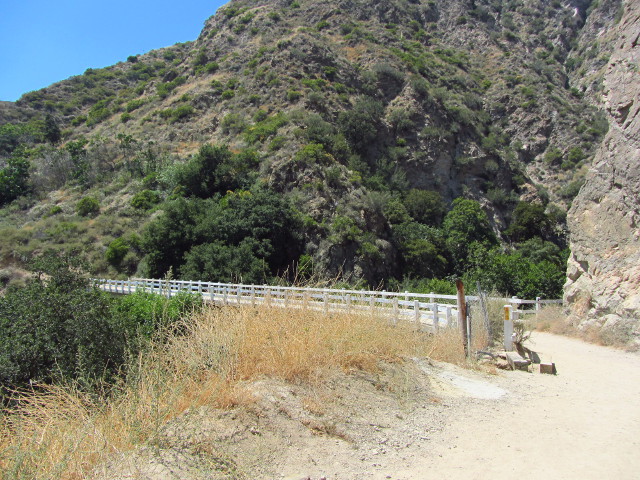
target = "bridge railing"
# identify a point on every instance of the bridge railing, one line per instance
(432, 310)
(427, 309)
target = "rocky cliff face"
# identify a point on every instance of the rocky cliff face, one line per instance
(603, 285)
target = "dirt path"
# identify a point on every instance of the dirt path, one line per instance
(583, 423)
(418, 421)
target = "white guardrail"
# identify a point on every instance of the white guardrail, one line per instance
(431, 310)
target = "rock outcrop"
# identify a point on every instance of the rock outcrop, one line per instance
(603, 284)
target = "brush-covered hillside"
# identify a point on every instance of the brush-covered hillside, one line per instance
(388, 142)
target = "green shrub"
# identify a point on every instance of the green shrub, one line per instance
(14, 177)
(553, 156)
(139, 315)
(233, 123)
(425, 206)
(88, 206)
(211, 67)
(134, 105)
(56, 328)
(293, 95)
(116, 252)
(145, 199)
(55, 210)
(265, 128)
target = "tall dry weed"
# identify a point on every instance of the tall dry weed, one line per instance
(59, 432)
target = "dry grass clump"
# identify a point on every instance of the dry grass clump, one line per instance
(59, 432)
(553, 319)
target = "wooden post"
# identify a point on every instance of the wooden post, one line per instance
(469, 331)
(416, 310)
(462, 314)
(537, 304)
(448, 316)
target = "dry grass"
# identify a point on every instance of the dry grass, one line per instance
(553, 319)
(58, 432)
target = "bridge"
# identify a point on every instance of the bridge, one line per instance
(431, 311)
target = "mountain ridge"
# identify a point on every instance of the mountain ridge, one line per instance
(350, 105)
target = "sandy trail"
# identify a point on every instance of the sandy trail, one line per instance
(583, 423)
(422, 422)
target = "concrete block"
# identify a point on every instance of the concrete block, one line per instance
(549, 368)
(516, 362)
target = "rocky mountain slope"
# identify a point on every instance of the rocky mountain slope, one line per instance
(345, 108)
(604, 268)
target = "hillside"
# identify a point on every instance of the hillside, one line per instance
(360, 122)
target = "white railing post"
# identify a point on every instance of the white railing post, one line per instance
(508, 328)
(348, 303)
(449, 316)
(436, 318)
(416, 311)
(537, 304)
(396, 311)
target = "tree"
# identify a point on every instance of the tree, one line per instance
(360, 125)
(529, 221)
(51, 130)
(215, 169)
(425, 206)
(14, 177)
(466, 224)
(217, 262)
(167, 238)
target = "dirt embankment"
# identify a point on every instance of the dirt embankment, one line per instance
(419, 421)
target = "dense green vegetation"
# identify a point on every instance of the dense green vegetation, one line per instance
(59, 328)
(381, 152)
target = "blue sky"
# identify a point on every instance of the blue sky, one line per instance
(45, 41)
